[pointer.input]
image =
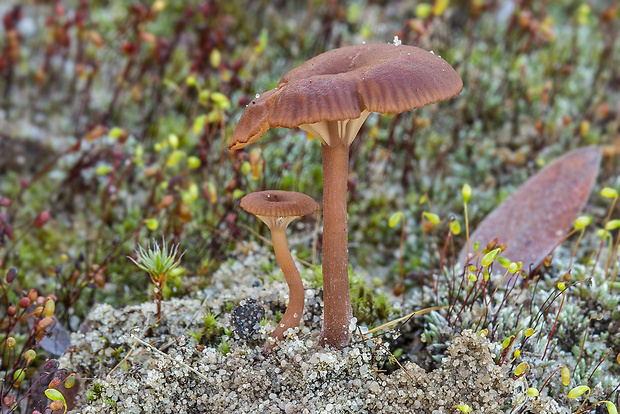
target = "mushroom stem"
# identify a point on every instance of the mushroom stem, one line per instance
(295, 307)
(336, 296)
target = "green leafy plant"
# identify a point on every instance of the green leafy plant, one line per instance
(158, 261)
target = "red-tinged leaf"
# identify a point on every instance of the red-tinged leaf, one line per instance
(535, 218)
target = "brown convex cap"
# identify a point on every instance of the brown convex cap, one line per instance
(340, 84)
(276, 203)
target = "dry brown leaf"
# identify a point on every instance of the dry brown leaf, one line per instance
(535, 218)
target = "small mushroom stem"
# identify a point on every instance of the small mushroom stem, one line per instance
(295, 307)
(336, 296)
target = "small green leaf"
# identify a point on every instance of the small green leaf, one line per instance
(578, 390)
(193, 162)
(611, 407)
(423, 10)
(263, 40)
(565, 374)
(466, 192)
(173, 139)
(55, 395)
(116, 132)
(152, 224)
(602, 233)
(395, 218)
(582, 221)
(70, 381)
(562, 286)
(506, 342)
(203, 96)
(19, 375)
(521, 368)
(246, 168)
(582, 15)
(472, 277)
(533, 392)
(238, 193)
(464, 408)
(485, 274)
(193, 191)
(490, 257)
(455, 227)
(432, 217)
(190, 80)
(612, 224)
(504, 261)
(440, 6)
(215, 58)
(220, 100)
(174, 158)
(515, 267)
(199, 124)
(608, 192)
(103, 169)
(529, 332)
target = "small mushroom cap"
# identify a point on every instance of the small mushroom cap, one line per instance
(277, 203)
(342, 83)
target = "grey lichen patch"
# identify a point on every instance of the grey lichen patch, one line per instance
(298, 377)
(136, 367)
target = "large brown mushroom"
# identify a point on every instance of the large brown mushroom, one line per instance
(277, 209)
(330, 96)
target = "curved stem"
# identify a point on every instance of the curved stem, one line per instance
(336, 296)
(295, 307)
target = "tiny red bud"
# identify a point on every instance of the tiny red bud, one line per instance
(9, 400)
(24, 302)
(50, 365)
(42, 218)
(11, 311)
(491, 244)
(399, 289)
(32, 295)
(44, 324)
(8, 230)
(54, 383)
(10, 275)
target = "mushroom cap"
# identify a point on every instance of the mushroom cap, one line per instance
(342, 83)
(277, 203)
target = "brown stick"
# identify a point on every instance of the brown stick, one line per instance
(295, 307)
(336, 297)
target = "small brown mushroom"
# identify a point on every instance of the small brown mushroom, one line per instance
(330, 96)
(277, 209)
